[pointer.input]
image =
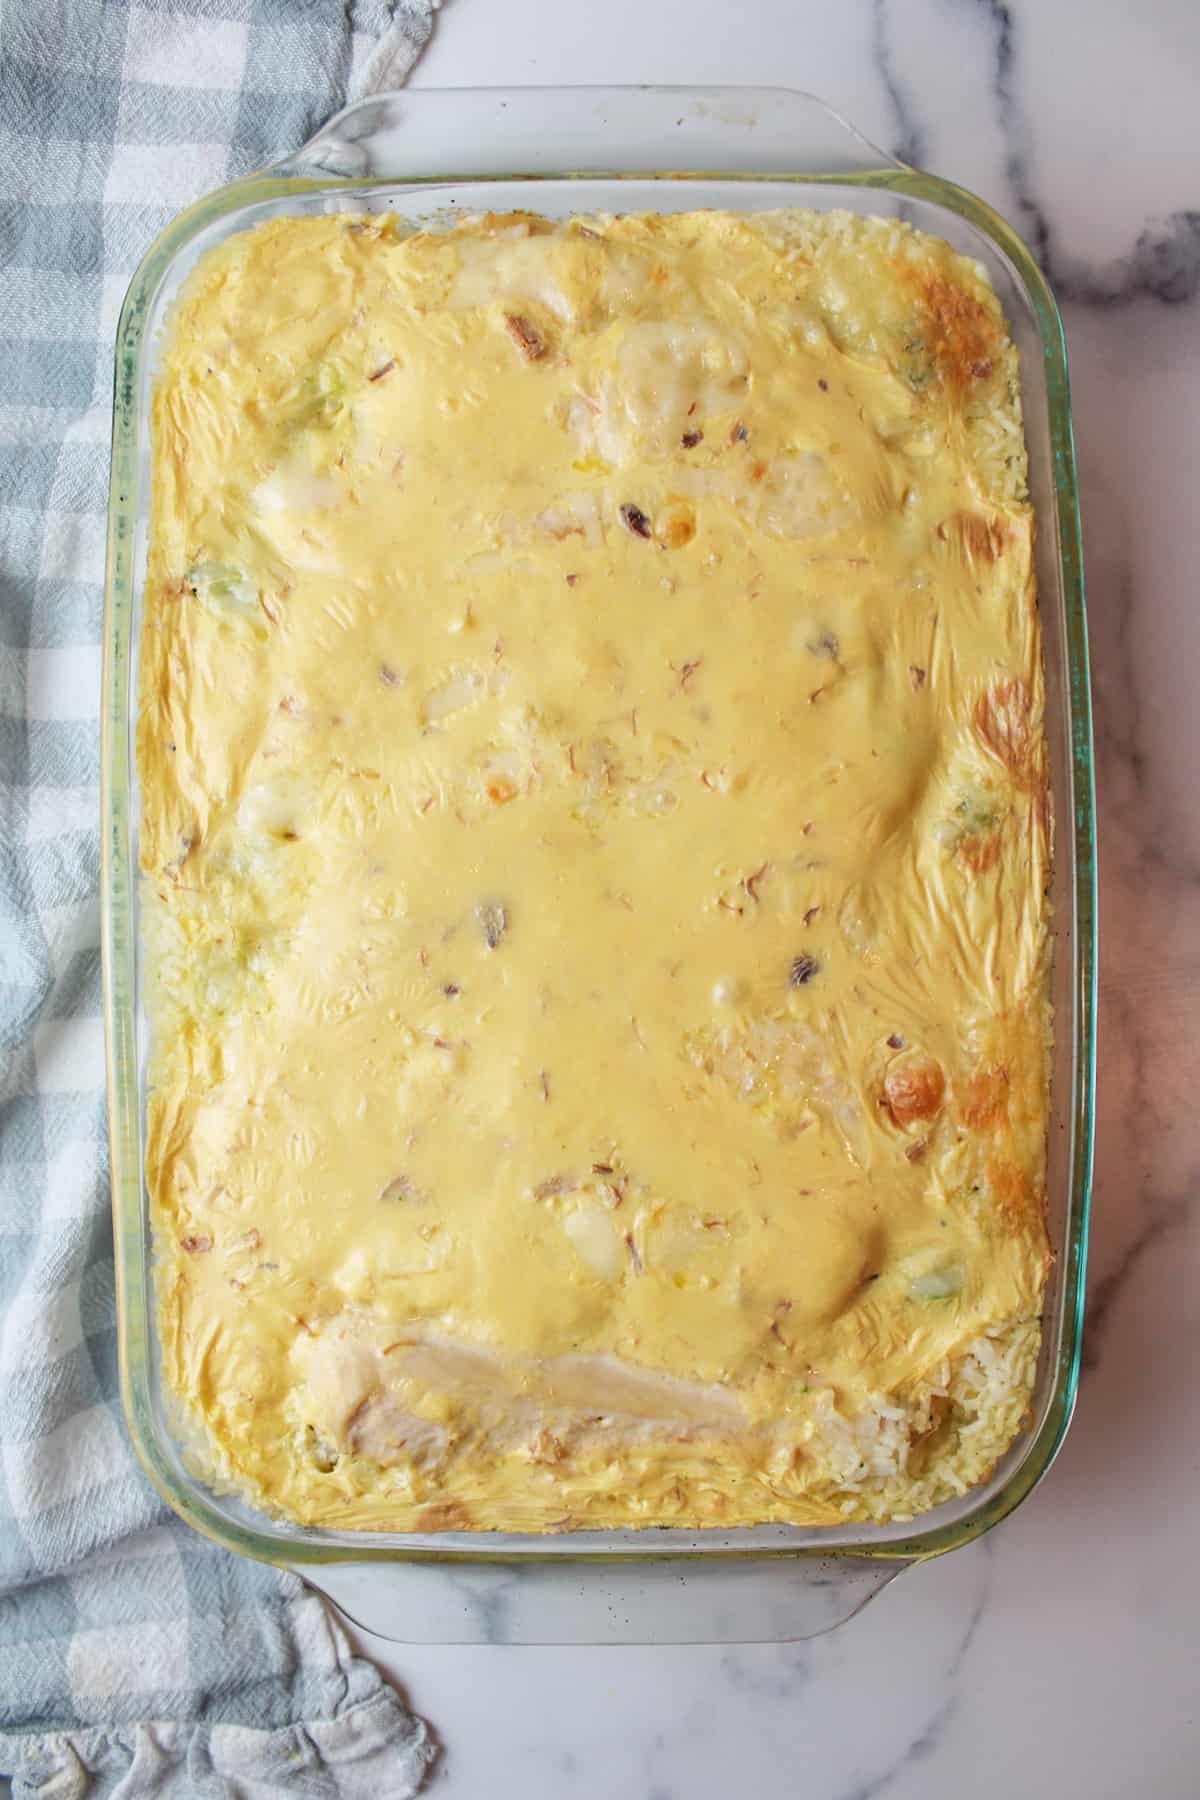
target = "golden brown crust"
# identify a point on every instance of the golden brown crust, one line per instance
(913, 1092)
(1004, 725)
(978, 537)
(445, 1515)
(525, 335)
(1021, 1205)
(984, 1104)
(980, 852)
(960, 331)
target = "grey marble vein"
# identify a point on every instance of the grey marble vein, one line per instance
(919, 1750)
(928, 1740)
(1163, 262)
(910, 145)
(787, 1674)
(1166, 1219)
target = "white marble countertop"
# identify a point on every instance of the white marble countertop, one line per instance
(1059, 1654)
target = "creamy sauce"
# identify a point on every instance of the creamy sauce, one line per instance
(594, 843)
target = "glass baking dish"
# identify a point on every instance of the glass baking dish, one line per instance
(560, 151)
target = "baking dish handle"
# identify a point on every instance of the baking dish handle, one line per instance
(440, 134)
(635, 1600)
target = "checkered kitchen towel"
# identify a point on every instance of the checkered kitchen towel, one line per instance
(135, 1659)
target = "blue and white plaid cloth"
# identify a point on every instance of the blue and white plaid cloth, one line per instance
(135, 1659)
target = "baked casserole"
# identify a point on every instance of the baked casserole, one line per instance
(594, 844)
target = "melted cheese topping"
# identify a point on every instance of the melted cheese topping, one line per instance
(594, 842)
